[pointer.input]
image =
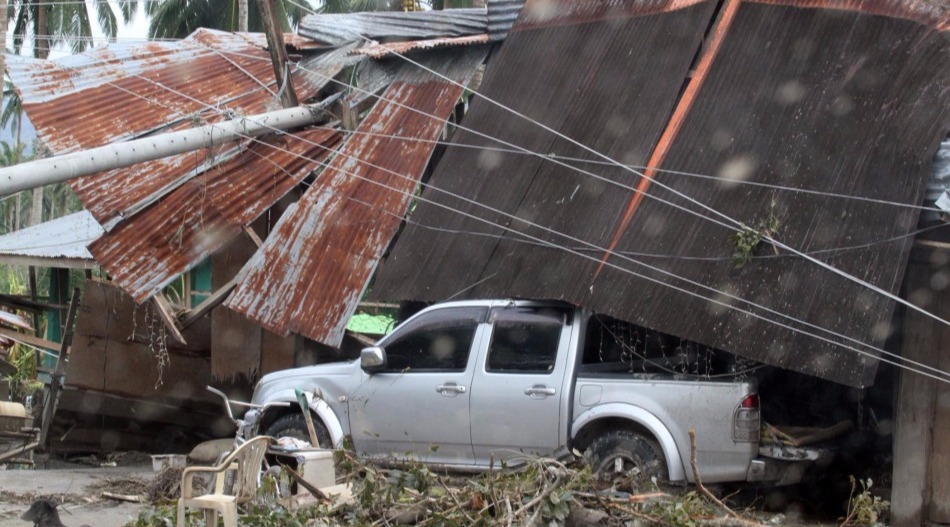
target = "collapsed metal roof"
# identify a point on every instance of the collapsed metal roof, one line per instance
(807, 95)
(61, 242)
(312, 270)
(164, 217)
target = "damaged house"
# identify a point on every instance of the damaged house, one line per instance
(748, 175)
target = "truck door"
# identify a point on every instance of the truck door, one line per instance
(418, 406)
(518, 388)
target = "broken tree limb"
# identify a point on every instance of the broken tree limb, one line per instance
(314, 491)
(123, 497)
(699, 482)
(305, 408)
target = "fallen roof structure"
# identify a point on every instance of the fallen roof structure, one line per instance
(816, 120)
(62, 242)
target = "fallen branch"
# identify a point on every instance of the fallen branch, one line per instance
(123, 497)
(317, 493)
(699, 482)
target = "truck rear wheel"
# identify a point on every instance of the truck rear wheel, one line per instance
(294, 425)
(626, 460)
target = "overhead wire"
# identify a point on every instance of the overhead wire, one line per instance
(739, 226)
(569, 250)
(629, 271)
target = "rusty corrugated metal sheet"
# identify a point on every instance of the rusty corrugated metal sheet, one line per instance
(825, 99)
(165, 216)
(394, 25)
(312, 270)
(199, 217)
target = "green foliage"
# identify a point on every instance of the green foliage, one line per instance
(23, 382)
(749, 239)
(681, 512)
(180, 18)
(68, 23)
(864, 508)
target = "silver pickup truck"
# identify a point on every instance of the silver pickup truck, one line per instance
(465, 385)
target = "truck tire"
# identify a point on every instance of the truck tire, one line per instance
(294, 425)
(626, 460)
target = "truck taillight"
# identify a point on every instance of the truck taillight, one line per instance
(745, 421)
(750, 401)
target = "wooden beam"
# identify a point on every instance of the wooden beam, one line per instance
(167, 314)
(59, 373)
(26, 304)
(252, 234)
(278, 54)
(29, 340)
(210, 303)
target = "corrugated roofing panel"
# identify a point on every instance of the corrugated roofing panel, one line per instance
(62, 241)
(312, 270)
(199, 217)
(390, 26)
(501, 16)
(800, 98)
(377, 51)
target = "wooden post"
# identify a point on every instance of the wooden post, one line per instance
(56, 383)
(278, 54)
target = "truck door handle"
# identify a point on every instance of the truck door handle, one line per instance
(450, 387)
(539, 389)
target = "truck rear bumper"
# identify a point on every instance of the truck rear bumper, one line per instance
(784, 465)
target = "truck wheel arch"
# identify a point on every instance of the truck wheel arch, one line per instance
(318, 406)
(588, 425)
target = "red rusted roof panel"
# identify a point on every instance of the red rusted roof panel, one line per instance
(121, 92)
(312, 270)
(200, 216)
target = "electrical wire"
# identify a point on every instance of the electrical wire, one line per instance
(555, 246)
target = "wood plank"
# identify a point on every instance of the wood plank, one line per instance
(166, 313)
(29, 340)
(940, 459)
(213, 301)
(59, 373)
(914, 413)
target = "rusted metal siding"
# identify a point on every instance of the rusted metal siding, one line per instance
(199, 217)
(501, 16)
(827, 100)
(312, 270)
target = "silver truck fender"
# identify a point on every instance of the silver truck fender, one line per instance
(640, 416)
(323, 411)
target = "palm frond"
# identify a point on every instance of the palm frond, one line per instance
(107, 21)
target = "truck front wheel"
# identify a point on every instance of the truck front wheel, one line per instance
(625, 459)
(294, 425)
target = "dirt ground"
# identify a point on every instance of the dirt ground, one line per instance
(78, 486)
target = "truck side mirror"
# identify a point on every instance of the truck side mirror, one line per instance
(372, 359)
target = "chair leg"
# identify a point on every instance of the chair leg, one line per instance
(181, 513)
(229, 515)
(211, 518)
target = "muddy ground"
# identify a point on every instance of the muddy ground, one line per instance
(78, 485)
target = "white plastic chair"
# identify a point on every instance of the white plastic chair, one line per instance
(246, 463)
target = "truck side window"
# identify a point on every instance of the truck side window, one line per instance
(524, 340)
(436, 341)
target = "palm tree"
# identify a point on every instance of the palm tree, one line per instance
(69, 23)
(179, 18)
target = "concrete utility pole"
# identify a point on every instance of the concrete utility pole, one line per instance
(57, 169)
